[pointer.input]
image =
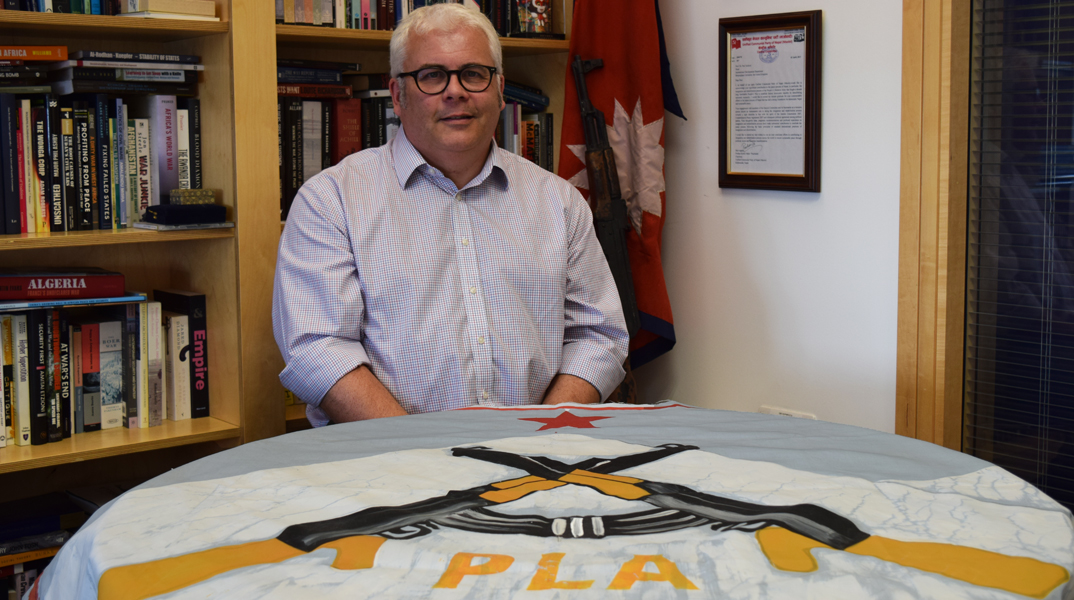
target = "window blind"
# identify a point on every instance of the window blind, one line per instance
(1019, 353)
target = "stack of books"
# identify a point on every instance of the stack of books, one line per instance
(24, 69)
(526, 127)
(79, 355)
(110, 135)
(200, 10)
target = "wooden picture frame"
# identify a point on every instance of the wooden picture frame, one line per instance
(770, 102)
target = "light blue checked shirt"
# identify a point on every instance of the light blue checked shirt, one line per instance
(453, 297)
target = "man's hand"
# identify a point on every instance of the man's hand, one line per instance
(568, 388)
(358, 396)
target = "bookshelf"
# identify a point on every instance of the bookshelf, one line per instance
(234, 268)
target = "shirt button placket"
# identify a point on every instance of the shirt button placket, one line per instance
(476, 312)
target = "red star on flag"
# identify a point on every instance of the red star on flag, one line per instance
(567, 419)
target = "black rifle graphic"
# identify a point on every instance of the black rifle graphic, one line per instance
(605, 200)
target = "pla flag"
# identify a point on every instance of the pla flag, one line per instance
(627, 36)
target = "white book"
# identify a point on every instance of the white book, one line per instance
(205, 8)
(113, 408)
(132, 172)
(124, 64)
(182, 118)
(122, 177)
(178, 367)
(163, 142)
(7, 348)
(149, 14)
(154, 404)
(144, 165)
(21, 378)
(141, 357)
(340, 14)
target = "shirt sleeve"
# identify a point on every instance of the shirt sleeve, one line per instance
(317, 305)
(595, 337)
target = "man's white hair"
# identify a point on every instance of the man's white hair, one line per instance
(441, 17)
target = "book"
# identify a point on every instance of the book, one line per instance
(346, 138)
(111, 374)
(152, 14)
(78, 412)
(126, 64)
(91, 376)
(291, 139)
(191, 7)
(177, 365)
(164, 164)
(55, 407)
(34, 542)
(20, 381)
(18, 305)
(143, 156)
(9, 165)
(126, 75)
(102, 131)
(69, 169)
(38, 336)
(136, 57)
(311, 90)
(64, 374)
(7, 373)
(182, 120)
(80, 86)
(155, 402)
(307, 75)
(6, 435)
(373, 93)
(192, 304)
(33, 53)
(23, 557)
(84, 177)
(193, 108)
(49, 283)
(343, 67)
(311, 138)
(190, 226)
(54, 165)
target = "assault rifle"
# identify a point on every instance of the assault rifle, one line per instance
(605, 200)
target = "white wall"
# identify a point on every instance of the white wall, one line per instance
(786, 298)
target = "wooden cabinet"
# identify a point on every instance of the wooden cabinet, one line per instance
(234, 268)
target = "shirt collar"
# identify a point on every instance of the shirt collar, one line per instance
(407, 161)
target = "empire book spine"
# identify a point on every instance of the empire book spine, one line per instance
(192, 304)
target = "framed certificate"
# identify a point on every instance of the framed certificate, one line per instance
(770, 102)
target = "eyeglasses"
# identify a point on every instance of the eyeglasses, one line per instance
(433, 80)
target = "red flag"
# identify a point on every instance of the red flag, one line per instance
(628, 90)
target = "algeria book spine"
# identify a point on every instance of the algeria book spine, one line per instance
(54, 286)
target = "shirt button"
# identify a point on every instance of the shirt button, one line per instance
(473, 290)
(481, 340)
(458, 196)
(465, 242)
(485, 395)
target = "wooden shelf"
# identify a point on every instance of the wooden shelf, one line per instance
(16, 22)
(73, 239)
(296, 412)
(115, 442)
(378, 40)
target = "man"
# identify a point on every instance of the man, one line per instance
(441, 271)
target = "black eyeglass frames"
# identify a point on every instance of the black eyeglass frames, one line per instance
(433, 80)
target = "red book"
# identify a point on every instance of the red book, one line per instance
(36, 283)
(49, 53)
(314, 90)
(347, 134)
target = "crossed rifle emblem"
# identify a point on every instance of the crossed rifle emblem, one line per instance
(786, 534)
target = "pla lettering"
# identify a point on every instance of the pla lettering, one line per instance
(546, 577)
(199, 359)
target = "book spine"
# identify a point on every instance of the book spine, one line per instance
(20, 343)
(36, 542)
(162, 134)
(94, 175)
(83, 166)
(367, 123)
(306, 75)
(327, 125)
(9, 128)
(132, 174)
(26, 212)
(46, 53)
(155, 361)
(104, 164)
(122, 177)
(293, 150)
(182, 118)
(66, 421)
(382, 14)
(114, 370)
(347, 128)
(39, 394)
(178, 367)
(68, 168)
(311, 139)
(141, 361)
(55, 408)
(8, 374)
(91, 376)
(380, 125)
(78, 416)
(193, 106)
(314, 90)
(53, 131)
(41, 160)
(130, 352)
(187, 59)
(143, 156)
(77, 86)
